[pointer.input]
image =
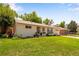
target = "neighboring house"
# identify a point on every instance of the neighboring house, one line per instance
(29, 29)
(60, 30)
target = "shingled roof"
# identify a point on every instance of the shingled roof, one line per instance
(20, 21)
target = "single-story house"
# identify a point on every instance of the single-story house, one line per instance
(30, 29)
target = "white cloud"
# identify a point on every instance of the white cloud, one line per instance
(15, 7)
(73, 7)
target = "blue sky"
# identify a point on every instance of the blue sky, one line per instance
(56, 11)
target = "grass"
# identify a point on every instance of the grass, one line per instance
(43, 46)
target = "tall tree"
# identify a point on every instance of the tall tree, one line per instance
(48, 21)
(32, 17)
(62, 24)
(6, 16)
(72, 26)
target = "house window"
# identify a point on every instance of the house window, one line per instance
(28, 27)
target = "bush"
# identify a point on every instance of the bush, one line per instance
(4, 36)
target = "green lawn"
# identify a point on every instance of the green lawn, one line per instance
(43, 46)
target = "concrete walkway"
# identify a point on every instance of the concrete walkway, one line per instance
(72, 37)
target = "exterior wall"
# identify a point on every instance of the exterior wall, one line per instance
(24, 32)
(56, 31)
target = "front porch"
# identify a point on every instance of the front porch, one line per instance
(43, 31)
